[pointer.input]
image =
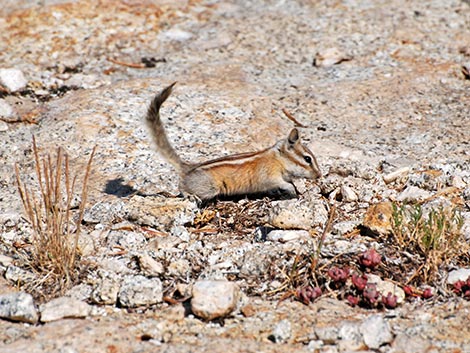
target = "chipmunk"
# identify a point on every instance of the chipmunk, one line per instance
(267, 171)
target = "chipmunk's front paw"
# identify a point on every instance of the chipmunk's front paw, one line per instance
(193, 198)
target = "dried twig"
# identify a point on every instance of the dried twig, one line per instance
(291, 117)
(132, 65)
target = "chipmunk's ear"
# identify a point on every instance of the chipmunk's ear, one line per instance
(293, 136)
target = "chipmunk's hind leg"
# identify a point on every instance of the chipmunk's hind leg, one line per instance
(200, 184)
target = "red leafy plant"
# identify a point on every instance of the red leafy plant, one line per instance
(462, 288)
(359, 282)
(390, 301)
(370, 258)
(338, 275)
(308, 294)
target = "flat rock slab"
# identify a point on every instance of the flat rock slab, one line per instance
(159, 212)
(62, 308)
(295, 214)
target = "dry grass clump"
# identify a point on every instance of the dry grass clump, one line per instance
(53, 253)
(434, 235)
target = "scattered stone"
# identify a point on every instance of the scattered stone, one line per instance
(102, 212)
(466, 194)
(462, 274)
(165, 242)
(13, 79)
(428, 179)
(315, 345)
(118, 265)
(6, 110)
(126, 240)
(329, 349)
(376, 331)
(180, 232)
(68, 349)
(176, 35)
(85, 81)
(254, 264)
(281, 332)
(348, 194)
(139, 290)
(295, 214)
(18, 275)
(81, 291)
(328, 334)
(214, 299)
(18, 306)
(149, 265)
(458, 182)
(350, 336)
(5, 261)
(345, 227)
(413, 194)
(175, 312)
(330, 183)
(384, 287)
(160, 212)
(378, 218)
(3, 126)
(106, 292)
(330, 57)
(64, 307)
(283, 236)
(248, 310)
(179, 268)
(86, 246)
(404, 343)
(398, 174)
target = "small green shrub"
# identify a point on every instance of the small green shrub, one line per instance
(435, 235)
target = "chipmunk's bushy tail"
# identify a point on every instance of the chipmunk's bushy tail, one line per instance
(158, 131)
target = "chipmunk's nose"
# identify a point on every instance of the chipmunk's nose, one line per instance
(319, 174)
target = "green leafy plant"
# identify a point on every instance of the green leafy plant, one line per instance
(434, 235)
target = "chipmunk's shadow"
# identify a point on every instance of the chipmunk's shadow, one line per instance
(117, 188)
(276, 194)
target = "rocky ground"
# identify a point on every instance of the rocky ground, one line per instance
(381, 88)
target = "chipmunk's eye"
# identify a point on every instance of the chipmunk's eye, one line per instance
(308, 159)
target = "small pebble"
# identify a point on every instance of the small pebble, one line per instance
(330, 57)
(462, 274)
(13, 79)
(348, 194)
(376, 331)
(281, 332)
(6, 110)
(283, 236)
(139, 290)
(397, 174)
(214, 299)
